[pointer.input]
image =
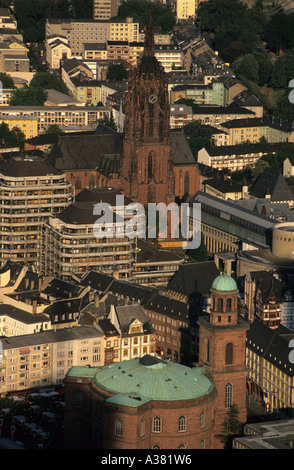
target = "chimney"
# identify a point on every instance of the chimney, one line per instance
(96, 300)
(34, 307)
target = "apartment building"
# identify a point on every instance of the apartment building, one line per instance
(14, 56)
(34, 361)
(171, 321)
(27, 124)
(252, 130)
(5, 96)
(224, 188)
(169, 55)
(57, 49)
(185, 9)
(86, 91)
(210, 94)
(180, 115)
(235, 157)
(104, 9)
(94, 51)
(219, 115)
(270, 372)
(71, 244)
(7, 20)
(64, 116)
(30, 191)
(79, 32)
(15, 321)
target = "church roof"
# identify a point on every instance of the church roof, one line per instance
(182, 154)
(81, 152)
(138, 381)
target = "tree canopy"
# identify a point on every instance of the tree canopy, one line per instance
(31, 14)
(6, 80)
(198, 136)
(117, 72)
(47, 80)
(28, 96)
(14, 136)
(137, 10)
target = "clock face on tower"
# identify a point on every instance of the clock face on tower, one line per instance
(153, 99)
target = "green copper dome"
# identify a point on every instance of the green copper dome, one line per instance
(148, 378)
(224, 283)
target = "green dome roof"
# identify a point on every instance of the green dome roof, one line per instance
(141, 380)
(224, 283)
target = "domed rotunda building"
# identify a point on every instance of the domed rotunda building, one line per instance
(150, 403)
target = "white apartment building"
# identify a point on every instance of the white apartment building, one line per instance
(79, 32)
(185, 9)
(57, 49)
(34, 361)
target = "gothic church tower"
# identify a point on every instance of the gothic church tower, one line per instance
(146, 165)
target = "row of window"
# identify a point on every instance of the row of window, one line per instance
(157, 425)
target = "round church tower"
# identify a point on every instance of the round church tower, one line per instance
(224, 301)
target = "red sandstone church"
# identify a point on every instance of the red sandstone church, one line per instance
(148, 162)
(150, 403)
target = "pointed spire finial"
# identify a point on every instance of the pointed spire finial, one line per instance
(149, 38)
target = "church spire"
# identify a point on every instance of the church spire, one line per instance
(149, 38)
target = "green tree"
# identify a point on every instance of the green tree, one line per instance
(160, 15)
(264, 68)
(198, 136)
(29, 96)
(13, 136)
(278, 75)
(198, 254)
(279, 31)
(6, 80)
(231, 427)
(258, 169)
(47, 80)
(108, 122)
(117, 72)
(247, 66)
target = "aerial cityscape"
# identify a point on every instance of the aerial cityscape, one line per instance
(146, 226)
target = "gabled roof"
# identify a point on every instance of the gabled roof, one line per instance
(224, 185)
(194, 278)
(81, 152)
(269, 285)
(272, 183)
(127, 314)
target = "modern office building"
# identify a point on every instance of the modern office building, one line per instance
(228, 227)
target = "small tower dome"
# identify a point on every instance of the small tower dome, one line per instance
(224, 283)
